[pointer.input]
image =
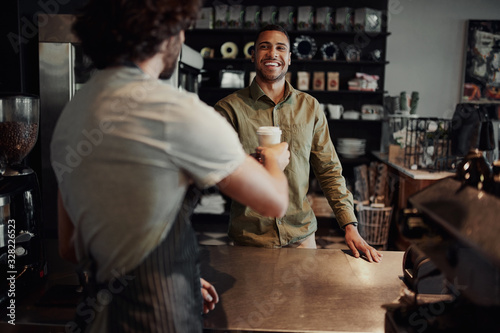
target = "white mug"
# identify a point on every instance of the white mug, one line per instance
(335, 111)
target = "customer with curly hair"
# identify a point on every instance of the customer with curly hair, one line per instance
(125, 151)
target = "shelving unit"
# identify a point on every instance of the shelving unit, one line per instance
(371, 130)
(210, 91)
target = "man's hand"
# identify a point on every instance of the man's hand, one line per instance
(356, 242)
(280, 152)
(210, 296)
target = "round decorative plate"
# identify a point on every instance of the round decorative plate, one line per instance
(304, 47)
(247, 49)
(352, 53)
(329, 51)
(229, 50)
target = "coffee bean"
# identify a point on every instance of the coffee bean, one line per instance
(16, 140)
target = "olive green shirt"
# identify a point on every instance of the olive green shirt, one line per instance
(305, 129)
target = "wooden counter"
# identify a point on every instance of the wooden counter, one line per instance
(299, 290)
(267, 290)
(411, 181)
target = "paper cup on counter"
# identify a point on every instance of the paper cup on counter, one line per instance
(269, 136)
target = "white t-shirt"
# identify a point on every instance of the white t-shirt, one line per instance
(124, 151)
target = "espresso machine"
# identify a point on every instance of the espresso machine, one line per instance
(452, 268)
(21, 248)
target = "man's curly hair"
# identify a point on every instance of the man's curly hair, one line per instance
(116, 31)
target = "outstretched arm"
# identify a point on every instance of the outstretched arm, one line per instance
(264, 188)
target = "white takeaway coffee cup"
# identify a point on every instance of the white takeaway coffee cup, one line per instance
(269, 136)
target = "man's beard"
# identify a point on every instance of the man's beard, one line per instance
(271, 78)
(168, 71)
(170, 66)
(170, 59)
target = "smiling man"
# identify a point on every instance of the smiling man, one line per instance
(272, 101)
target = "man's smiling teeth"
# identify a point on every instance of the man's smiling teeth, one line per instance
(274, 64)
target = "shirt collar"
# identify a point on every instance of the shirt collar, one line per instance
(256, 92)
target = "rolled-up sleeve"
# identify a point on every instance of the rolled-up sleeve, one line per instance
(328, 170)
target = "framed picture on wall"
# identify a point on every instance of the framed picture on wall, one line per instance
(482, 63)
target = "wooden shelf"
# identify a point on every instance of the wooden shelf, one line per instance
(225, 61)
(211, 95)
(355, 120)
(291, 33)
(312, 92)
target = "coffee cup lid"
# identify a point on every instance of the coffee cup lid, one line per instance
(268, 130)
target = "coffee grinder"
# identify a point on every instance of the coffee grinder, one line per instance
(21, 249)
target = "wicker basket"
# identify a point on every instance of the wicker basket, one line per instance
(374, 224)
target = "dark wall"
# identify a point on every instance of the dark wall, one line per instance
(19, 68)
(19, 41)
(10, 71)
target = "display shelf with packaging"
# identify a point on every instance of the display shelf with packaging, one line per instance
(328, 45)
